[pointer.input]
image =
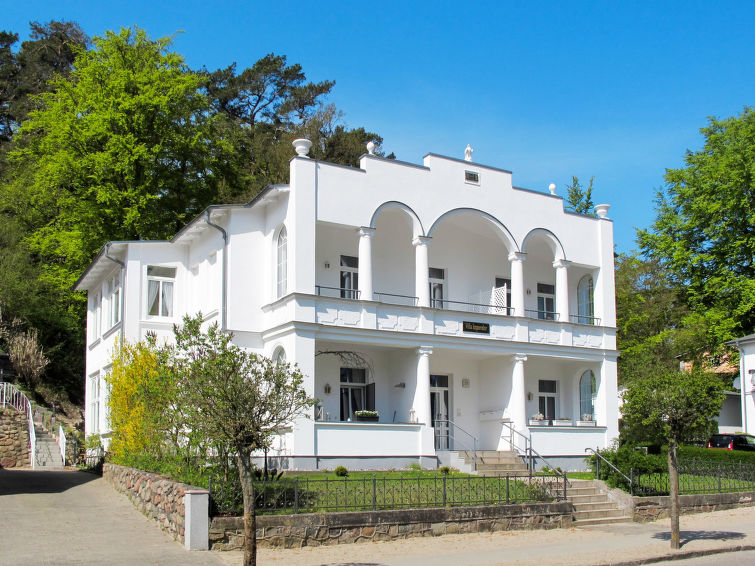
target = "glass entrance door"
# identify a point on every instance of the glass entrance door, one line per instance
(439, 410)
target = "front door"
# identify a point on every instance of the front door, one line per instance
(439, 410)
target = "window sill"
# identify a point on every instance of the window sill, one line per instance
(94, 344)
(112, 330)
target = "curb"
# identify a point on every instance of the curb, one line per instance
(683, 555)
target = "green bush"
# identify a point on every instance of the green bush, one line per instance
(716, 455)
(341, 472)
(445, 470)
(627, 458)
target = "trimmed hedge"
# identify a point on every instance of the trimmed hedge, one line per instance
(716, 455)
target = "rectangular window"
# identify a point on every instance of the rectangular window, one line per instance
(160, 282)
(353, 391)
(547, 395)
(94, 403)
(349, 277)
(96, 314)
(115, 300)
(472, 177)
(437, 287)
(546, 301)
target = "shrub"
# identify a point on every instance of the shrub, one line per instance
(341, 472)
(445, 470)
(717, 455)
(627, 458)
(415, 467)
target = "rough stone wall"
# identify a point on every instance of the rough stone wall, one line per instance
(14, 439)
(158, 498)
(316, 529)
(652, 508)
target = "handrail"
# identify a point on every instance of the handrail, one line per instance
(617, 470)
(541, 315)
(348, 293)
(13, 396)
(379, 295)
(582, 319)
(450, 423)
(480, 308)
(528, 449)
(62, 443)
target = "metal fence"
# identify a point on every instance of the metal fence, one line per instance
(300, 494)
(699, 476)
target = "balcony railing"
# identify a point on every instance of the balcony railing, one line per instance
(580, 319)
(541, 315)
(465, 306)
(337, 292)
(394, 299)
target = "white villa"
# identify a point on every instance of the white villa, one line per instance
(469, 313)
(746, 385)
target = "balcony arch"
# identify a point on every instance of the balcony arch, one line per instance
(550, 239)
(503, 232)
(417, 228)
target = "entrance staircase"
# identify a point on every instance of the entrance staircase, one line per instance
(48, 452)
(489, 462)
(592, 506)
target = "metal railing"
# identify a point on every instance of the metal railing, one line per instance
(465, 306)
(337, 292)
(541, 315)
(529, 453)
(699, 476)
(394, 299)
(62, 444)
(598, 459)
(302, 494)
(12, 396)
(451, 427)
(580, 319)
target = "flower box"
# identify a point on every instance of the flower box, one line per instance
(562, 422)
(538, 422)
(586, 423)
(366, 416)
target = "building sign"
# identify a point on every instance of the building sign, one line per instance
(477, 327)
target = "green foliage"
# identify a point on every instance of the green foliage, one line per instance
(341, 472)
(702, 236)
(716, 455)
(445, 470)
(672, 405)
(415, 467)
(579, 199)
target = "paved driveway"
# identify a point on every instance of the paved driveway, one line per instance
(75, 518)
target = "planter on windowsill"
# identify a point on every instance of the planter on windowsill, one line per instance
(586, 423)
(366, 416)
(538, 422)
(562, 422)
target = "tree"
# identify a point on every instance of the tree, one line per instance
(24, 351)
(673, 406)
(704, 232)
(579, 199)
(237, 399)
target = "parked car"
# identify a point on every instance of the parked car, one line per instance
(732, 442)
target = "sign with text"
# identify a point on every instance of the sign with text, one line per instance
(476, 327)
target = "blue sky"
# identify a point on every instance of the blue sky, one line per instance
(547, 90)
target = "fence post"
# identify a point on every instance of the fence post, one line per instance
(631, 481)
(565, 486)
(719, 478)
(296, 494)
(374, 493)
(444, 490)
(597, 465)
(507, 489)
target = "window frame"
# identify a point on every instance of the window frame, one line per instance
(115, 314)
(586, 304)
(281, 263)
(543, 313)
(593, 394)
(438, 283)
(543, 396)
(348, 277)
(349, 388)
(161, 280)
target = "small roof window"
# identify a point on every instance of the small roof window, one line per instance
(472, 177)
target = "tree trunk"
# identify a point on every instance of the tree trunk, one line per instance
(673, 482)
(246, 475)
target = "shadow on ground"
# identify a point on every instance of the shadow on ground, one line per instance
(13, 482)
(689, 536)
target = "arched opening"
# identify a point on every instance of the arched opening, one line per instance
(540, 281)
(585, 301)
(281, 278)
(393, 256)
(279, 356)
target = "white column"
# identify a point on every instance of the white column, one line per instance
(422, 271)
(606, 406)
(517, 283)
(517, 405)
(562, 289)
(421, 403)
(365, 263)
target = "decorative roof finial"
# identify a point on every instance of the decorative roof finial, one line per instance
(468, 153)
(552, 188)
(371, 147)
(302, 146)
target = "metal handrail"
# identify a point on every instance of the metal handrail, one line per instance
(582, 319)
(450, 423)
(380, 295)
(13, 396)
(541, 315)
(531, 453)
(617, 470)
(349, 293)
(445, 304)
(62, 443)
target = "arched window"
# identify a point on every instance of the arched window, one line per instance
(279, 356)
(282, 263)
(587, 396)
(585, 304)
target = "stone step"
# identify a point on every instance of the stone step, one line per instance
(598, 514)
(601, 521)
(587, 498)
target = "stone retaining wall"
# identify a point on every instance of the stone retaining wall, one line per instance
(14, 439)
(652, 508)
(156, 497)
(315, 529)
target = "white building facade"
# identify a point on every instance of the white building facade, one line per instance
(746, 383)
(468, 313)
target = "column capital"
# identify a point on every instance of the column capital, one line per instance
(366, 231)
(517, 256)
(560, 263)
(421, 240)
(520, 358)
(424, 350)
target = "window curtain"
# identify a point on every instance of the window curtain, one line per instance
(152, 298)
(167, 299)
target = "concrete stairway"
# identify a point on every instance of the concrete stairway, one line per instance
(592, 506)
(48, 452)
(494, 463)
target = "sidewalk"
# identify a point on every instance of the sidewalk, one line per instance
(622, 543)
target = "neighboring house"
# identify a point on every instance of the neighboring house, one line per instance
(746, 381)
(453, 303)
